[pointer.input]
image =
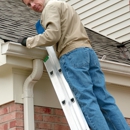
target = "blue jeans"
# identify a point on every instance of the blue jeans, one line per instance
(82, 71)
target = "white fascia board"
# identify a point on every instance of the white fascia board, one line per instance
(116, 73)
(16, 49)
(115, 67)
(19, 56)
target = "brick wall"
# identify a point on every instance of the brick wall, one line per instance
(50, 119)
(11, 118)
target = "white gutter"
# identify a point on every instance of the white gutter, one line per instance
(28, 94)
(116, 73)
(115, 67)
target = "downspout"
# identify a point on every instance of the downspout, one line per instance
(29, 122)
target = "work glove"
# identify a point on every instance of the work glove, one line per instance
(22, 40)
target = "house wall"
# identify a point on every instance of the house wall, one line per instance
(44, 94)
(6, 86)
(108, 17)
(122, 97)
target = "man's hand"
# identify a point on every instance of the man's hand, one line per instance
(22, 41)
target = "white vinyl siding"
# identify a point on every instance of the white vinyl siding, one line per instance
(110, 18)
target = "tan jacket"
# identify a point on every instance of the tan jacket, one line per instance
(63, 28)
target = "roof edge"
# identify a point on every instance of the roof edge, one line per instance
(115, 67)
(17, 50)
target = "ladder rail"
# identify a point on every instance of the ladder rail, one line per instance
(65, 103)
(76, 110)
(75, 105)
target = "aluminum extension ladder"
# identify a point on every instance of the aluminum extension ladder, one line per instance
(66, 98)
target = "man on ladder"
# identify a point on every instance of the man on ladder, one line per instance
(78, 61)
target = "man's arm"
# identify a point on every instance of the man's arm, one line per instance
(50, 19)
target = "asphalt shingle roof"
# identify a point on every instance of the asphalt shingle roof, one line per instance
(108, 47)
(17, 20)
